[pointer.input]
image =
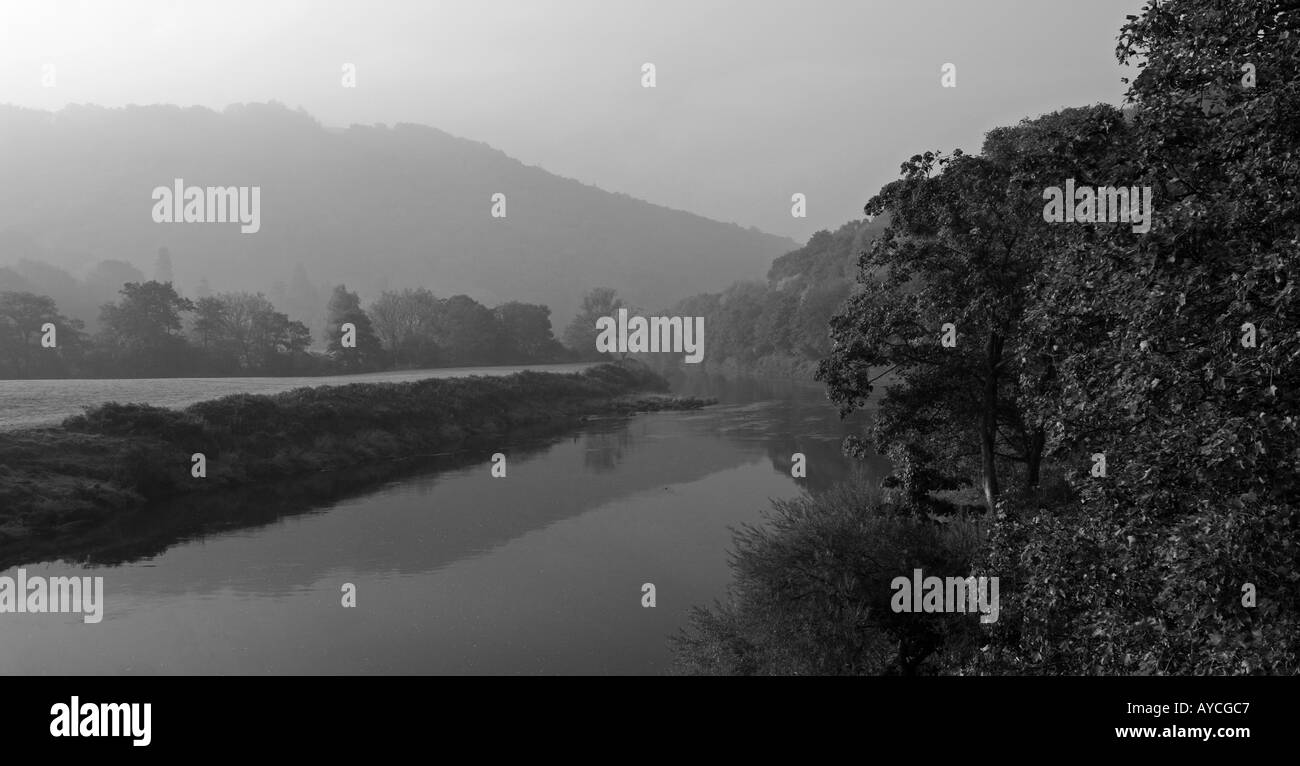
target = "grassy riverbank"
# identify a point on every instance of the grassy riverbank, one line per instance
(117, 456)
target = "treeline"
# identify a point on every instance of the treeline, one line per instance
(77, 297)
(778, 326)
(153, 331)
(775, 327)
(1124, 404)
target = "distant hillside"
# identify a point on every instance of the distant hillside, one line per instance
(780, 326)
(373, 207)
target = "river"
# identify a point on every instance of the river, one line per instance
(455, 571)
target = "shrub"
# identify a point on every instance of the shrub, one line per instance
(140, 420)
(812, 593)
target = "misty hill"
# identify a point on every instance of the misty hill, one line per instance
(373, 207)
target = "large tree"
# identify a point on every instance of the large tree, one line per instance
(951, 268)
(143, 328)
(527, 331)
(468, 332)
(22, 319)
(1176, 358)
(963, 254)
(405, 323)
(252, 332)
(345, 308)
(581, 333)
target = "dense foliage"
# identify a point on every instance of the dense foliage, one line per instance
(813, 593)
(1171, 355)
(1200, 428)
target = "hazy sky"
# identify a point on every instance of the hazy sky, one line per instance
(754, 101)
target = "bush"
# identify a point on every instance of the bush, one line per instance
(812, 593)
(116, 455)
(139, 420)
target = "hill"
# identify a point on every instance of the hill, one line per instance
(375, 207)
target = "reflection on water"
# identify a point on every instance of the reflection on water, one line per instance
(455, 571)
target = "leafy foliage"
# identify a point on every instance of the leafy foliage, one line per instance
(812, 593)
(1200, 429)
(22, 315)
(1099, 339)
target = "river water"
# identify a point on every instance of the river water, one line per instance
(455, 571)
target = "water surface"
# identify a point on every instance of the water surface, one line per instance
(540, 572)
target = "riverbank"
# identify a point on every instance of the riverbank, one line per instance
(116, 456)
(44, 403)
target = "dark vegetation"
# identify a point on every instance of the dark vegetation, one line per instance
(153, 331)
(116, 456)
(812, 592)
(1073, 341)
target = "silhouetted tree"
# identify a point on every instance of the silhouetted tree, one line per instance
(22, 319)
(527, 331)
(345, 308)
(144, 327)
(581, 333)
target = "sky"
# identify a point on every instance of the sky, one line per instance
(753, 101)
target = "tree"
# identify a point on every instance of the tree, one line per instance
(406, 324)
(813, 591)
(258, 336)
(1154, 370)
(22, 319)
(777, 327)
(526, 330)
(581, 333)
(956, 257)
(210, 319)
(734, 332)
(345, 308)
(145, 327)
(468, 333)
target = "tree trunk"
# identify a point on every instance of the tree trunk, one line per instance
(1034, 457)
(989, 418)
